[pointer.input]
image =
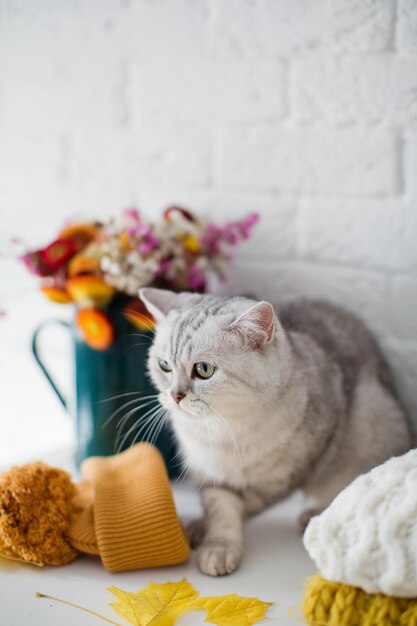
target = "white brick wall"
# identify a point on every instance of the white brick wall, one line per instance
(341, 90)
(304, 110)
(308, 160)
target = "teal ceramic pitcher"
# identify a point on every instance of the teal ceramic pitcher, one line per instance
(111, 389)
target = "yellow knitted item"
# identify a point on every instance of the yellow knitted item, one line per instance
(334, 604)
(127, 513)
(123, 510)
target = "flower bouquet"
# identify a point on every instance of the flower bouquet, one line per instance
(94, 264)
(100, 267)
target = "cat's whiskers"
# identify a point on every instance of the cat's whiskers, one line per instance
(178, 453)
(142, 405)
(126, 404)
(119, 395)
(211, 450)
(135, 425)
(141, 425)
(155, 431)
(205, 473)
(203, 482)
(135, 345)
(156, 418)
(223, 421)
(186, 467)
(121, 423)
(141, 335)
(183, 472)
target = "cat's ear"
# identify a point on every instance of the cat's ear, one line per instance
(257, 324)
(157, 301)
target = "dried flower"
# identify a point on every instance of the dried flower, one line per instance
(56, 294)
(89, 291)
(96, 328)
(34, 264)
(91, 262)
(58, 253)
(196, 279)
(79, 234)
(87, 261)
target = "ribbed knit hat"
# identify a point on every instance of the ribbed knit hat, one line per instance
(127, 513)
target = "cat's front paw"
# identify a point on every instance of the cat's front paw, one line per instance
(196, 531)
(218, 560)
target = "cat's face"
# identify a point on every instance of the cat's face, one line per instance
(208, 354)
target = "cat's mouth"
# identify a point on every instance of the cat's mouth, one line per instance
(192, 408)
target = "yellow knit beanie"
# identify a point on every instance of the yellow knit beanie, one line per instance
(335, 604)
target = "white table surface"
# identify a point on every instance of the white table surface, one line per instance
(274, 568)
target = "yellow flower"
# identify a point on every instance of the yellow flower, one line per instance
(125, 241)
(56, 294)
(192, 244)
(85, 262)
(89, 290)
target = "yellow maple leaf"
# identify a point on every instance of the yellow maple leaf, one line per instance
(161, 605)
(233, 610)
(157, 604)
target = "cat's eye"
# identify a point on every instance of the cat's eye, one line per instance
(164, 365)
(203, 369)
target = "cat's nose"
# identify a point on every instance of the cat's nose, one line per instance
(178, 396)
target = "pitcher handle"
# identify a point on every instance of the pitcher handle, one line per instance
(35, 350)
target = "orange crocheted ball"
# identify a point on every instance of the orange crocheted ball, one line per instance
(35, 506)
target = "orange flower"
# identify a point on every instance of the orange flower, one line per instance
(56, 294)
(89, 290)
(85, 262)
(96, 328)
(138, 315)
(81, 264)
(80, 234)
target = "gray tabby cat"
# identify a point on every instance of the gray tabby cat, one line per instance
(263, 405)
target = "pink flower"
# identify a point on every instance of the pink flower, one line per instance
(195, 278)
(131, 215)
(211, 238)
(34, 264)
(247, 224)
(214, 236)
(148, 241)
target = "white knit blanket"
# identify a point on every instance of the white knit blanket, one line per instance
(368, 535)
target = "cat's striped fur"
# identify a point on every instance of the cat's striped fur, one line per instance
(300, 400)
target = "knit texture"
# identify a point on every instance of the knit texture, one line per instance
(368, 536)
(35, 505)
(123, 510)
(334, 604)
(126, 512)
